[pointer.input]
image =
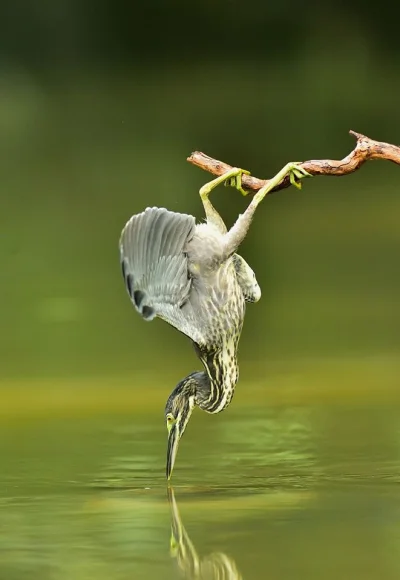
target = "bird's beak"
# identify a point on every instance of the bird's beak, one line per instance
(173, 442)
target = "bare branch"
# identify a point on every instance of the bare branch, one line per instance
(364, 150)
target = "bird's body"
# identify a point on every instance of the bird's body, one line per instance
(218, 304)
(171, 272)
(191, 276)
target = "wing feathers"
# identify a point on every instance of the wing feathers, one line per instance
(154, 263)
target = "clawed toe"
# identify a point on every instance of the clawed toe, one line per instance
(296, 173)
(235, 180)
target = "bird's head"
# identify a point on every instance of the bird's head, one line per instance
(178, 409)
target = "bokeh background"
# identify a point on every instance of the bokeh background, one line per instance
(100, 104)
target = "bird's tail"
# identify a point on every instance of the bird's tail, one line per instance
(153, 259)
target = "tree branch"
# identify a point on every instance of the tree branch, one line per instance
(364, 150)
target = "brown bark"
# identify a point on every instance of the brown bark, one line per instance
(364, 150)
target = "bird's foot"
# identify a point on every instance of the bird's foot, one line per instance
(233, 177)
(235, 180)
(295, 172)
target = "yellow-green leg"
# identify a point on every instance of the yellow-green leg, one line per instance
(295, 173)
(232, 177)
(238, 231)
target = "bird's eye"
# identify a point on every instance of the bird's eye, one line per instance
(170, 421)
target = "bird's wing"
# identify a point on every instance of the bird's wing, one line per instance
(246, 279)
(155, 266)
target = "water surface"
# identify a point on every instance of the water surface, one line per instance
(284, 491)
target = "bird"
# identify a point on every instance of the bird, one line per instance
(191, 276)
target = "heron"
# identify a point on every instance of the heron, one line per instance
(190, 276)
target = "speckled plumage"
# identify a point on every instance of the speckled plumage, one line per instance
(175, 270)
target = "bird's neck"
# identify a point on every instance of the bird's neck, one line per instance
(216, 386)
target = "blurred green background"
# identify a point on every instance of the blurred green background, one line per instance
(100, 105)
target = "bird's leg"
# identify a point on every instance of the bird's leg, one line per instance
(231, 177)
(295, 172)
(238, 231)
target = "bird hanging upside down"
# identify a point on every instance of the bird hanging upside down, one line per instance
(189, 275)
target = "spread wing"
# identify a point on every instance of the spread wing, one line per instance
(155, 266)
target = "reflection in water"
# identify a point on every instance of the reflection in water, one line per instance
(319, 489)
(216, 566)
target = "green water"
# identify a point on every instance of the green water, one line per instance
(283, 490)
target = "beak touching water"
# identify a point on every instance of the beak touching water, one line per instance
(173, 442)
